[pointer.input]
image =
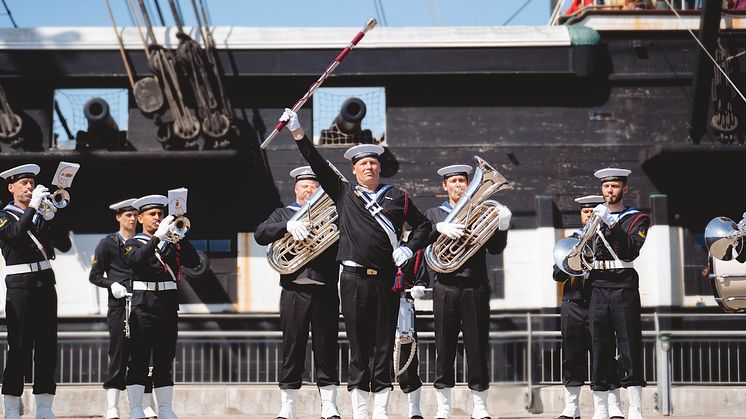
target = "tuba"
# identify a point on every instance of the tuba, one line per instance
(724, 238)
(288, 255)
(479, 216)
(575, 256)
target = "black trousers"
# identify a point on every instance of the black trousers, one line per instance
(576, 342)
(370, 321)
(32, 326)
(462, 307)
(301, 305)
(615, 313)
(409, 379)
(154, 325)
(118, 351)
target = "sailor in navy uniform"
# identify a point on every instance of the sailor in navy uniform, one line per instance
(461, 301)
(417, 280)
(309, 296)
(615, 300)
(576, 331)
(27, 241)
(371, 217)
(156, 264)
(109, 270)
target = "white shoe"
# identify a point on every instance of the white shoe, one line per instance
(615, 405)
(134, 394)
(112, 403)
(359, 404)
(444, 396)
(381, 404)
(572, 401)
(147, 406)
(12, 406)
(329, 407)
(164, 396)
(287, 400)
(600, 405)
(635, 402)
(413, 399)
(479, 404)
(44, 406)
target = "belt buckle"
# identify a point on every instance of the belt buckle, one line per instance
(371, 272)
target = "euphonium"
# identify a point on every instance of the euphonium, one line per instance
(574, 256)
(288, 255)
(479, 216)
(724, 238)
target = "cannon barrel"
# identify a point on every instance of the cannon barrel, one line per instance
(96, 111)
(350, 115)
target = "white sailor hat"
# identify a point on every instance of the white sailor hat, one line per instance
(590, 201)
(455, 169)
(149, 202)
(612, 174)
(123, 206)
(303, 173)
(362, 151)
(20, 172)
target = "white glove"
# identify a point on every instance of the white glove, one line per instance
(417, 291)
(163, 228)
(298, 230)
(401, 255)
(291, 118)
(118, 290)
(451, 230)
(40, 192)
(504, 213)
(602, 212)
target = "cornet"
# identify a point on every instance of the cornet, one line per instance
(178, 229)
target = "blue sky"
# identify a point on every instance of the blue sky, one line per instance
(292, 13)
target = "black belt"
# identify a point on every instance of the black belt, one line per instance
(362, 271)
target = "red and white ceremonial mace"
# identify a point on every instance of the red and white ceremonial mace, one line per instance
(302, 101)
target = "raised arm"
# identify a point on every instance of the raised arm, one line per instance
(328, 177)
(11, 231)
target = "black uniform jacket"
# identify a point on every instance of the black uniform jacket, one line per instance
(146, 267)
(18, 247)
(109, 259)
(324, 268)
(362, 239)
(415, 271)
(476, 266)
(578, 288)
(626, 239)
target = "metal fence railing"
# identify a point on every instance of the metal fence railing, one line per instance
(526, 350)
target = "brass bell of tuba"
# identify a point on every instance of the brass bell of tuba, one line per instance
(478, 214)
(724, 238)
(287, 255)
(575, 256)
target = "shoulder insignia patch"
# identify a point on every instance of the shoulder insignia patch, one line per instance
(127, 250)
(642, 233)
(93, 261)
(3, 222)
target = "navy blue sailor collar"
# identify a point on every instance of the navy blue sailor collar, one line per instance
(446, 206)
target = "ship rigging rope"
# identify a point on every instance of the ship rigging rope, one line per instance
(121, 47)
(136, 17)
(733, 85)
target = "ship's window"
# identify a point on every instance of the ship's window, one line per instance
(89, 118)
(213, 246)
(349, 115)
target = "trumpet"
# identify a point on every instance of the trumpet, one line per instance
(47, 209)
(575, 256)
(179, 228)
(60, 198)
